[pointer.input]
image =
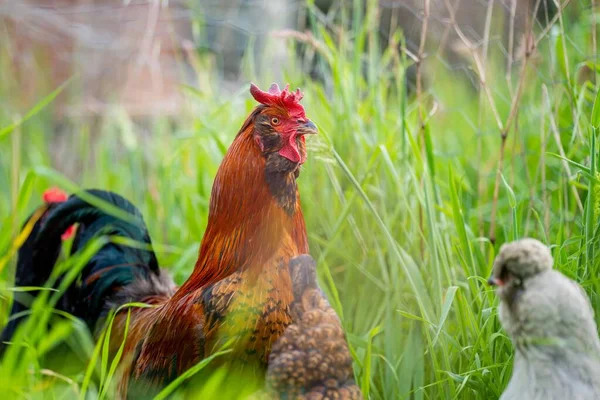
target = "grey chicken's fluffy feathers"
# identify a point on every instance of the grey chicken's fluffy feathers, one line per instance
(551, 324)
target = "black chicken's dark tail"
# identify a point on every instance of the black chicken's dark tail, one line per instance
(30, 273)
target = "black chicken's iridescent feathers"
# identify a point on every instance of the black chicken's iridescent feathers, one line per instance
(116, 265)
(93, 220)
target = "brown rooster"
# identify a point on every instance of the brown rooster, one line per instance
(240, 289)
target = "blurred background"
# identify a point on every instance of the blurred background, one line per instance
(137, 54)
(446, 128)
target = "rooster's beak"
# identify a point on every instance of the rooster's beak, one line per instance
(308, 128)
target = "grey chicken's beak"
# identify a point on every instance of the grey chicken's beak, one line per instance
(308, 128)
(492, 281)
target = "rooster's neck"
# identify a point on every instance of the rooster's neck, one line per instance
(252, 214)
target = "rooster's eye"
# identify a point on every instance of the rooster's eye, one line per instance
(274, 121)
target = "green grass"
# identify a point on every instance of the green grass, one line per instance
(398, 212)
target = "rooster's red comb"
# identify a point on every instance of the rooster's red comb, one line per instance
(54, 195)
(276, 96)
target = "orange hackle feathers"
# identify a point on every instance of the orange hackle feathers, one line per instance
(244, 230)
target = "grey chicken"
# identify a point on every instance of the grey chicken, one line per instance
(551, 324)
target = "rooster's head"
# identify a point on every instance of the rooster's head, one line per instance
(280, 124)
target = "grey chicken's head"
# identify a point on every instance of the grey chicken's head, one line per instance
(539, 302)
(516, 262)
